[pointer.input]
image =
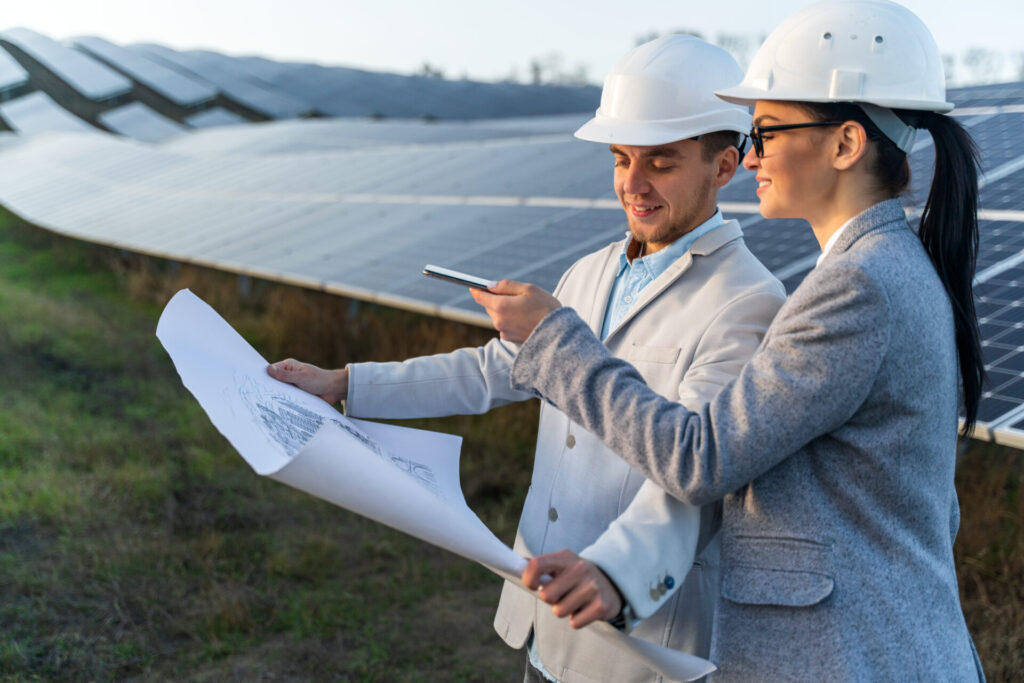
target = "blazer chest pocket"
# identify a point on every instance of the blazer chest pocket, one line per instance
(787, 572)
(653, 354)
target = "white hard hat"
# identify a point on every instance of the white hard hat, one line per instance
(863, 51)
(663, 91)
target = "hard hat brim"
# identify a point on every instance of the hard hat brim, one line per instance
(747, 95)
(645, 133)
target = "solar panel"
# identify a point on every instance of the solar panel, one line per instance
(37, 113)
(138, 121)
(12, 74)
(82, 73)
(258, 97)
(176, 86)
(358, 206)
(214, 117)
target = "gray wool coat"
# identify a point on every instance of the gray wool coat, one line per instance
(833, 452)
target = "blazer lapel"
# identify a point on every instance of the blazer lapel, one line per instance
(706, 244)
(595, 317)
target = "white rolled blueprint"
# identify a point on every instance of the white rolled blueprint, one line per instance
(405, 478)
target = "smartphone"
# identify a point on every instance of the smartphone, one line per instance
(457, 277)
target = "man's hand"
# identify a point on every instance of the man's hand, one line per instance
(330, 385)
(578, 589)
(516, 308)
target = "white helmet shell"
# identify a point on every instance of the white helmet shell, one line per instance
(663, 91)
(872, 51)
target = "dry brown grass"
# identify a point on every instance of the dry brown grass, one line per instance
(989, 553)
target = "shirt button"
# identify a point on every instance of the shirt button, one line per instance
(553, 514)
(570, 441)
(628, 299)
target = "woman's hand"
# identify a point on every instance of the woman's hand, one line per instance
(516, 308)
(578, 588)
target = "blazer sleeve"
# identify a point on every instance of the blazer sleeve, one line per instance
(464, 382)
(656, 536)
(816, 367)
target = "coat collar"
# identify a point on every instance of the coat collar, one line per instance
(881, 214)
(705, 244)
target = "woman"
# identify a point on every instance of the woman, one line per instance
(834, 449)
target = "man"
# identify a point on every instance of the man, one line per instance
(682, 299)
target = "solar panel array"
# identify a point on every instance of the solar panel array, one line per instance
(358, 206)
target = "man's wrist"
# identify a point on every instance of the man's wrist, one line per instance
(625, 619)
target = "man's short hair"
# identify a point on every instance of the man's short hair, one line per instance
(713, 143)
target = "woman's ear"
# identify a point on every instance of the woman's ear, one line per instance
(851, 144)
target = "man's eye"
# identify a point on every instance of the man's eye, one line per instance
(621, 163)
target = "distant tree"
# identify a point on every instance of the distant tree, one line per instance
(428, 70)
(983, 64)
(739, 45)
(651, 35)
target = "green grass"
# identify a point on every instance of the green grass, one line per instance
(136, 544)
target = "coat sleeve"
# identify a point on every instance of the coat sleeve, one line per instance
(467, 381)
(657, 535)
(816, 367)
(464, 382)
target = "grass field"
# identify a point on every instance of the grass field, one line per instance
(136, 544)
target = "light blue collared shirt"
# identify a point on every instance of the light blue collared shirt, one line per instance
(633, 277)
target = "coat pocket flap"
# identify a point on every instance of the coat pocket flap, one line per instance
(791, 572)
(653, 354)
(758, 586)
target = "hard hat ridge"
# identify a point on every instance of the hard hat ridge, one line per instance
(663, 91)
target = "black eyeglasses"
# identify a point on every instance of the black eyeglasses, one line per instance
(757, 131)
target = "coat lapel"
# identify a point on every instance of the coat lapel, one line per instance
(706, 244)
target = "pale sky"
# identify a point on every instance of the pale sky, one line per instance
(483, 39)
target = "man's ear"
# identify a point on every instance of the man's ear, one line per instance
(726, 163)
(850, 144)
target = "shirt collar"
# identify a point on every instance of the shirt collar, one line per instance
(832, 241)
(658, 262)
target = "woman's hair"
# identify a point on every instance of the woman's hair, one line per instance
(949, 222)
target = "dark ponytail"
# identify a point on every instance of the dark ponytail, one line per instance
(949, 222)
(949, 232)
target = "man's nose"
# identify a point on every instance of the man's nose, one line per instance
(751, 160)
(635, 181)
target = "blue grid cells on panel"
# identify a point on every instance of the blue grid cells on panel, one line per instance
(998, 140)
(37, 113)
(1006, 193)
(85, 75)
(987, 95)
(213, 117)
(779, 243)
(998, 241)
(1000, 308)
(535, 246)
(12, 74)
(136, 120)
(174, 85)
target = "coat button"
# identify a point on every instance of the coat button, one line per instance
(655, 595)
(669, 582)
(553, 514)
(570, 441)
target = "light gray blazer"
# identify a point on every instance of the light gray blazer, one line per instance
(834, 451)
(690, 333)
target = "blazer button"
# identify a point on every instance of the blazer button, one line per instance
(553, 514)
(570, 441)
(669, 582)
(655, 595)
